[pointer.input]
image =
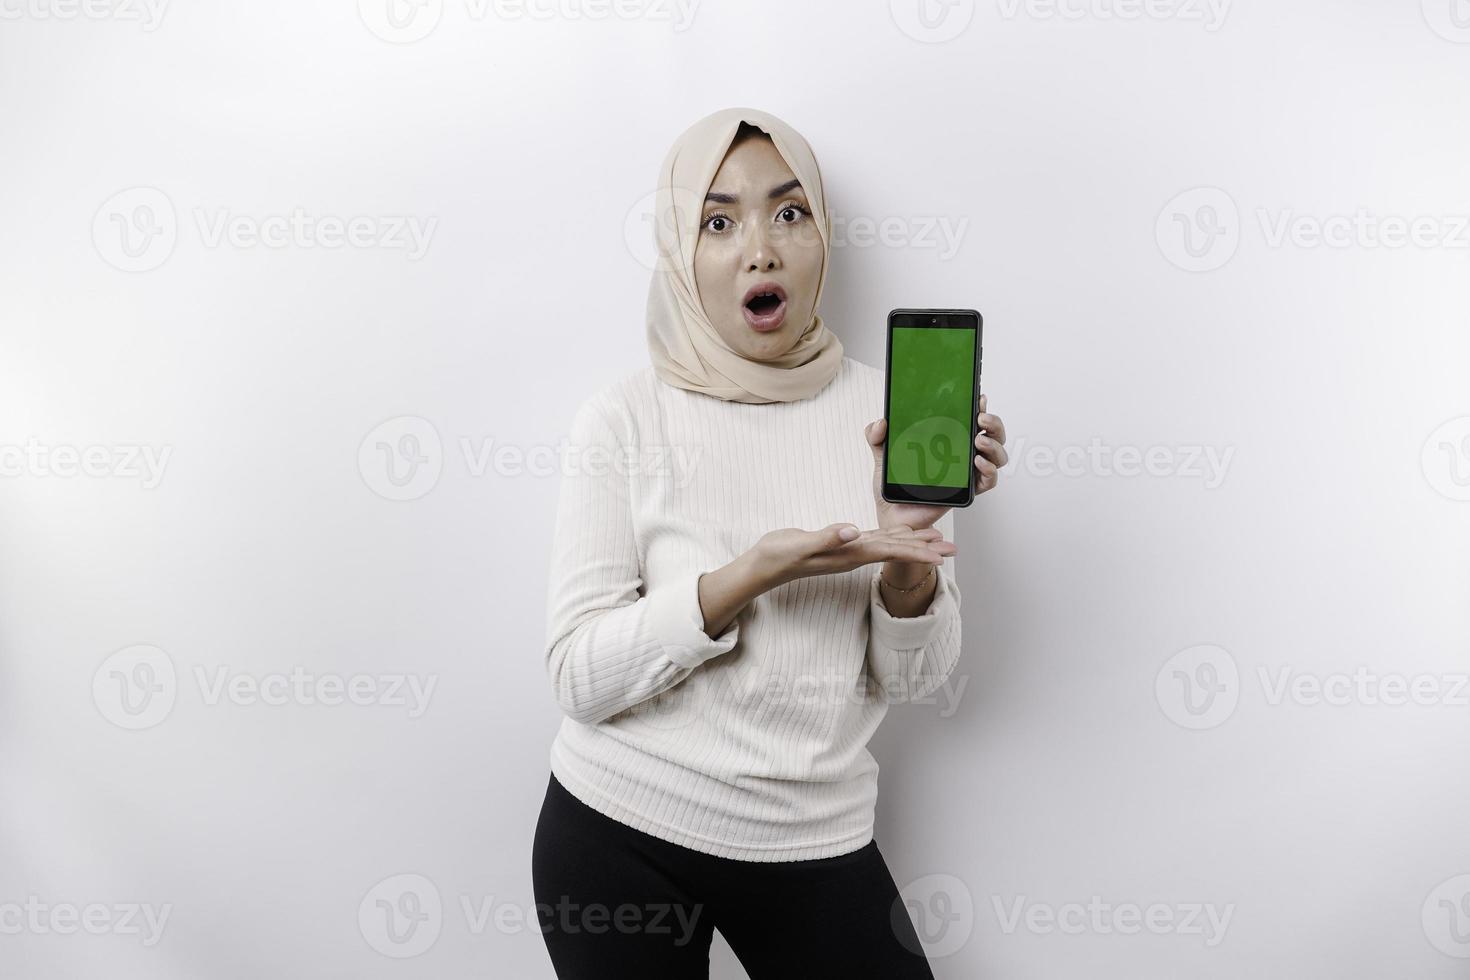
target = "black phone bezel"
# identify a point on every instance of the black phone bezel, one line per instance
(937, 319)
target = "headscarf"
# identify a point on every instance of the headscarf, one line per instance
(686, 349)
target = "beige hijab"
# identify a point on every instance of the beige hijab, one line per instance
(686, 349)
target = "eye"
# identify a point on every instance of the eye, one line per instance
(793, 209)
(711, 218)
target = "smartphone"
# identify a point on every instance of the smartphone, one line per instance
(931, 400)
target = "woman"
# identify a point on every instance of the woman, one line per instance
(721, 668)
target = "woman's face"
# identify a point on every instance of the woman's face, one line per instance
(758, 235)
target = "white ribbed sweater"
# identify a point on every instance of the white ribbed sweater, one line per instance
(752, 745)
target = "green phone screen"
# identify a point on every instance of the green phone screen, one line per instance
(932, 379)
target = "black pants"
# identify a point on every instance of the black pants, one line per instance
(616, 902)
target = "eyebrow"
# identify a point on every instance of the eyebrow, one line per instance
(719, 198)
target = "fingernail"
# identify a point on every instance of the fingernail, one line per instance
(848, 533)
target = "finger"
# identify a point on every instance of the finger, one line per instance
(834, 536)
(895, 551)
(928, 539)
(992, 426)
(988, 474)
(991, 450)
(875, 432)
(930, 536)
(929, 556)
(923, 534)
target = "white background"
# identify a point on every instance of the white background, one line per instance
(1082, 763)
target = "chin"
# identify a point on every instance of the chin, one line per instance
(765, 346)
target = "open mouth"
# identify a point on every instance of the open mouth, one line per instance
(765, 306)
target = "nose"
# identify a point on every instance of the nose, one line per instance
(760, 251)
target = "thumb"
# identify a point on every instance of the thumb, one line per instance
(837, 535)
(875, 432)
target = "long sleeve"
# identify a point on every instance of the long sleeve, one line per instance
(912, 657)
(732, 755)
(612, 643)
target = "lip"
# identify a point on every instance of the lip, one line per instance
(772, 320)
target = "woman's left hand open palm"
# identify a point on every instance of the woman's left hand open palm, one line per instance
(990, 456)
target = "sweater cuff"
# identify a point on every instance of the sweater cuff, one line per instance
(910, 632)
(678, 622)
